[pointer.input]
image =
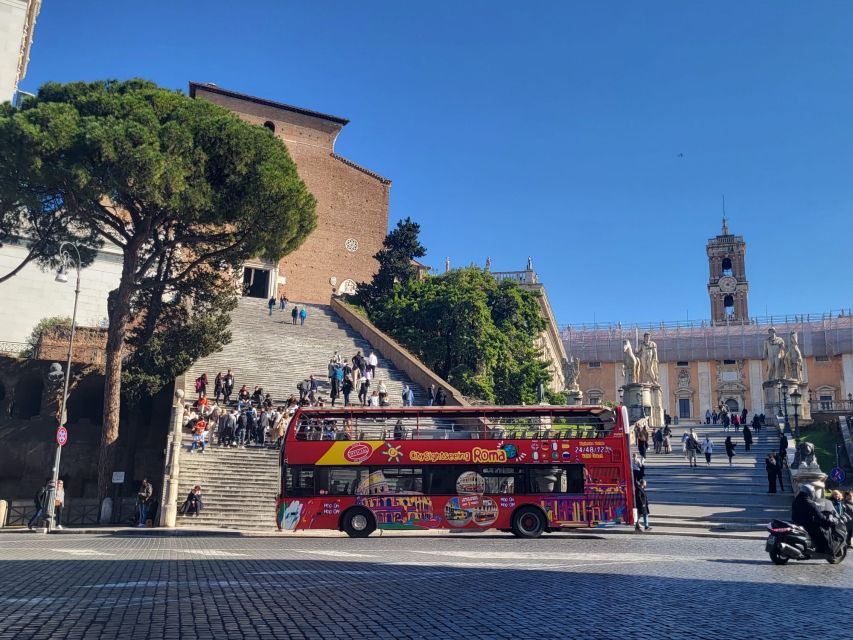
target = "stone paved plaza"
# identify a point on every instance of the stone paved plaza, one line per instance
(485, 586)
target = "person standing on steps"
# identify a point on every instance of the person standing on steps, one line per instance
(282, 301)
(642, 501)
(667, 433)
(781, 464)
(707, 416)
(372, 362)
(756, 424)
(771, 466)
(302, 315)
(440, 397)
(227, 386)
(730, 449)
(693, 447)
(430, 395)
(747, 437)
(294, 313)
(707, 449)
(271, 304)
(143, 501)
(346, 389)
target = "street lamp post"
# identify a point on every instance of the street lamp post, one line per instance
(785, 408)
(66, 260)
(796, 398)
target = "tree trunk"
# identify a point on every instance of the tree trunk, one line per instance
(118, 309)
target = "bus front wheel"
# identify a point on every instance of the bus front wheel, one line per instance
(528, 522)
(358, 523)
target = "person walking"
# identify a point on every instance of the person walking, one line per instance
(730, 449)
(58, 503)
(667, 433)
(707, 449)
(40, 501)
(271, 304)
(346, 389)
(707, 416)
(770, 465)
(642, 433)
(372, 362)
(642, 502)
(638, 468)
(657, 439)
(747, 437)
(743, 415)
(441, 397)
(294, 313)
(408, 396)
(756, 424)
(201, 386)
(430, 395)
(302, 315)
(143, 502)
(282, 302)
(726, 422)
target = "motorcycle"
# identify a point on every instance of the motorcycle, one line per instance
(788, 541)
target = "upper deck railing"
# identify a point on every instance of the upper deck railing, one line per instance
(451, 424)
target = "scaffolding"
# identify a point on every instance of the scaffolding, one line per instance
(820, 335)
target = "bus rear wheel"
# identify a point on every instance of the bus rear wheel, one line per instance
(528, 522)
(358, 523)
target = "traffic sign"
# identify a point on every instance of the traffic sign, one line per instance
(837, 474)
(61, 436)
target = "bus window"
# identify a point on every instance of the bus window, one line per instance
(300, 480)
(441, 479)
(402, 479)
(502, 479)
(339, 481)
(556, 479)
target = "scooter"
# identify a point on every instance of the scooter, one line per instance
(788, 541)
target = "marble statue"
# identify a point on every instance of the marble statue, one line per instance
(488, 263)
(795, 358)
(540, 392)
(572, 373)
(447, 264)
(774, 352)
(648, 354)
(529, 263)
(631, 362)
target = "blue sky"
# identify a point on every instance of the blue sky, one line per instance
(549, 129)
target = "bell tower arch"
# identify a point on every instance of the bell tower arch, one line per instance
(728, 287)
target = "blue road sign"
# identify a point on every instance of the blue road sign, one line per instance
(837, 474)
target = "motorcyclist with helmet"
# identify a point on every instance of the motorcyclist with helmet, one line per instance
(807, 512)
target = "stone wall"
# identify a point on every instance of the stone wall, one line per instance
(28, 435)
(352, 202)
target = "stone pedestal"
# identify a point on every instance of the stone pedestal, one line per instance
(574, 397)
(773, 406)
(656, 419)
(637, 397)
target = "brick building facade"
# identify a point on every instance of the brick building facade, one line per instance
(352, 203)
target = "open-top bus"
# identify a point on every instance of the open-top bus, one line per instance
(527, 470)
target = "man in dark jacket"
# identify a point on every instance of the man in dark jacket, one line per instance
(143, 502)
(642, 502)
(40, 500)
(806, 512)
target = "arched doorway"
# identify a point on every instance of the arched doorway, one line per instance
(733, 405)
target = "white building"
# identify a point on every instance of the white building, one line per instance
(33, 294)
(17, 23)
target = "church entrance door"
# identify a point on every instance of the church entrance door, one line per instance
(733, 405)
(256, 282)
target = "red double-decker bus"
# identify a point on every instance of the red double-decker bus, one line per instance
(527, 470)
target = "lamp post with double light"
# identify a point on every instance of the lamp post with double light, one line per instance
(66, 261)
(796, 399)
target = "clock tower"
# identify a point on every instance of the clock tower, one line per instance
(727, 285)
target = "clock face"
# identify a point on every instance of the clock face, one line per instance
(727, 284)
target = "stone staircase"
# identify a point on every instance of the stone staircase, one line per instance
(239, 486)
(719, 498)
(271, 352)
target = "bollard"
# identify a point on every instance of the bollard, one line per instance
(4, 509)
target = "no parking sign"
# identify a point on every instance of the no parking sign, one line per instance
(61, 436)
(838, 475)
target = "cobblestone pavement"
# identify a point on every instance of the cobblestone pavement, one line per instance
(560, 586)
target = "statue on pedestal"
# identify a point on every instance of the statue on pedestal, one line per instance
(795, 358)
(631, 363)
(774, 352)
(648, 354)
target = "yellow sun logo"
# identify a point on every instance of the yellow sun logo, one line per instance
(394, 453)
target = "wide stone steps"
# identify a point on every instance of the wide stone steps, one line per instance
(277, 355)
(719, 497)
